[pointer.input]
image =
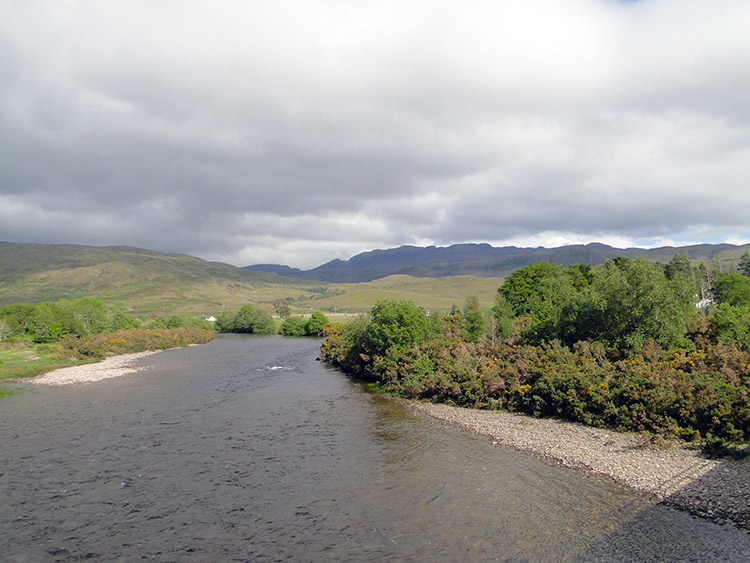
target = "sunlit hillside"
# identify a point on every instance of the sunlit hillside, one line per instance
(151, 284)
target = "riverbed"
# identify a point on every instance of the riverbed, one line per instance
(248, 449)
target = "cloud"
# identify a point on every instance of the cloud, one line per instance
(298, 132)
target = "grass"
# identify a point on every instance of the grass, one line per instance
(30, 361)
(21, 360)
(434, 294)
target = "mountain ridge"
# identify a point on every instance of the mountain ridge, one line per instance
(152, 284)
(482, 259)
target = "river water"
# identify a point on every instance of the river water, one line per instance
(248, 449)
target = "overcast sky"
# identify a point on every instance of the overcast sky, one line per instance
(298, 131)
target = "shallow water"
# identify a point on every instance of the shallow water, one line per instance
(247, 449)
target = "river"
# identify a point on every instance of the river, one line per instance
(248, 449)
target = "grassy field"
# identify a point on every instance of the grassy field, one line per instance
(434, 294)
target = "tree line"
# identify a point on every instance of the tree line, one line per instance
(48, 322)
(67, 332)
(51, 321)
(621, 345)
(251, 320)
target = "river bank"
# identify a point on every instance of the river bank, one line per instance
(718, 490)
(114, 366)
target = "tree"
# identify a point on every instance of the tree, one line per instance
(282, 309)
(315, 324)
(503, 315)
(19, 316)
(46, 326)
(744, 266)
(225, 322)
(678, 266)
(121, 321)
(639, 302)
(253, 321)
(394, 324)
(552, 295)
(731, 324)
(581, 317)
(475, 319)
(683, 277)
(521, 288)
(92, 314)
(733, 289)
(580, 275)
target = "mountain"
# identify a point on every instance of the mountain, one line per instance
(487, 261)
(24, 258)
(151, 284)
(142, 281)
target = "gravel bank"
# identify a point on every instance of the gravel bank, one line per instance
(113, 366)
(715, 489)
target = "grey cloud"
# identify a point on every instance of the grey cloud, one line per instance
(302, 131)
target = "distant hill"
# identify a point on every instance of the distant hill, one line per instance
(24, 258)
(151, 284)
(143, 281)
(488, 261)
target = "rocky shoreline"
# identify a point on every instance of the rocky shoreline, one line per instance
(718, 490)
(113, 366)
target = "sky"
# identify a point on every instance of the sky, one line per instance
(299, 131)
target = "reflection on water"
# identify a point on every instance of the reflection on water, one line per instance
(248, 449)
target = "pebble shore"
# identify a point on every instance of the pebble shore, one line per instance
(113, 366)
(718, 490)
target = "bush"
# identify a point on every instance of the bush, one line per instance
(247, 320)
(731, 325)
(733, 289)
(315, 324)
(475, 319)
(689, 393)
(121, 321)
(293, 326)
(133, 340)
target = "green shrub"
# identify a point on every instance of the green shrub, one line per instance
(132, 340)
(247, 320)
(607, 346)
(731, 324)
(393, 325)
(293, 326)
(314, 325)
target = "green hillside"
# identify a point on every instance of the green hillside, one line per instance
(151, 284)
(434, 294)
(142, 282)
